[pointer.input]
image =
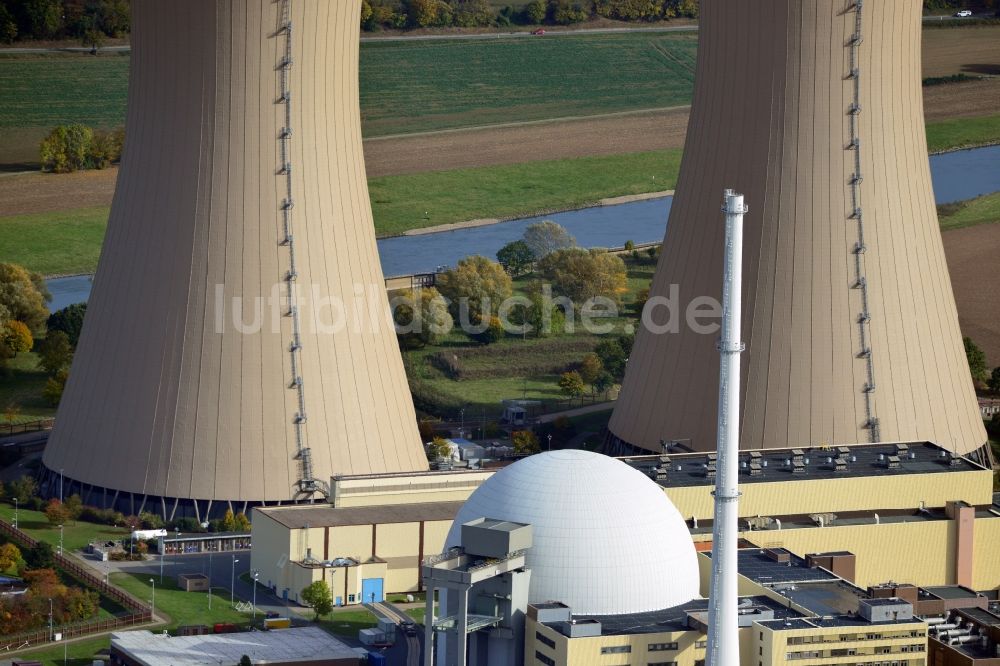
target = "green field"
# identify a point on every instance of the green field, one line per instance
(55, 243)
(963, 133)
(399, 203)
(406, 86)
(76, 534)
(78, 653)
(484, 82)
(981, 210)
(183, 608)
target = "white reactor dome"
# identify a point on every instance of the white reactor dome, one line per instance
(607, 541)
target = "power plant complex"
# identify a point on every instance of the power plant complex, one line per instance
(214, 371)
(823, 494)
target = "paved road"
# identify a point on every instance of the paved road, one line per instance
(406, 650)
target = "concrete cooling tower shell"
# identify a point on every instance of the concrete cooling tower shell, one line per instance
(213, 365)
(813, 111)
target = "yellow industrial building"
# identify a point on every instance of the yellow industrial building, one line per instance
(911, 512)
(791, 611)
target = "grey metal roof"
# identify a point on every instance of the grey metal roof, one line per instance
(297, 517)
(672, 619)
(689, 469)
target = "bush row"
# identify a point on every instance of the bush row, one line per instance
(77, 147)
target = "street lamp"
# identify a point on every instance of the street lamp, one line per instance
(177, 544)
(152, 601)
(60, 539)
(163, 553)
(232, 584)
(550, 441)
(256, 575)
(15, 513)
(50, 620)
(60, 485)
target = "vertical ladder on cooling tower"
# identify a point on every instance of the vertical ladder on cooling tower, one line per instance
(857, 215)
(307, 484)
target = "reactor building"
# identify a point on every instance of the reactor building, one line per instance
(238, 347)
(813, 110)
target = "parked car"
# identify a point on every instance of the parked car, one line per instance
(540, 31)
(964, 13)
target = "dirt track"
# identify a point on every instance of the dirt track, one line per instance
(972, 260)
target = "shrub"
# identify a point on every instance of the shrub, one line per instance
(66, 148)
(493, 332)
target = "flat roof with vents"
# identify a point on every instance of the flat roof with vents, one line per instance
(770, 465)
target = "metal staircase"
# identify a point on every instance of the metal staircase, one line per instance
(307, 485)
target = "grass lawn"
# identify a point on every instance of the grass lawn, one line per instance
(183, 607)
(75, 535)
(348, 622)
(22, 387)
(962, 133)
(62, 242)
(399, 202)
(79, 653)
(981, 210)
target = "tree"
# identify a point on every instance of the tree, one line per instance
(977, 360)
(584, 274)
(492, 333)
(69, 320)
(545, 237)
(590, 368)
(421, 316)
(612, 356)
(54, 388)
(74, 505)
(437, 449)
(475, 287)
(23, 489)
(67, 148)
(23, 296)
(424, 13)
(10, 555)
(525, 442)
(11, 412)
(994, 382)
(54, 352)
(534, 12)
(603, 383)
(40, 19)
(516, 258)
(472, 13)
(571, 384)
(57, 512)
(8, 26)
(242, 522)
(16, 337)
(245, 660)
(317, 595)
(40, 556)
(229, 521)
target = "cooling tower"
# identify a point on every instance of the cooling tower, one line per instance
(813, 111)
(237, 345)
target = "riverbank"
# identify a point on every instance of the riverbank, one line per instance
(470, 224)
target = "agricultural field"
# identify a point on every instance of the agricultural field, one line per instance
(418, 86)
(489, 82)
(972, 260)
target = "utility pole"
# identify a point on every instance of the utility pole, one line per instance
(232, 584)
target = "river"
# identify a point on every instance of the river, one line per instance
(957, 175)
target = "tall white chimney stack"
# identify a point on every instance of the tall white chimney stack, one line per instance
(723, 636)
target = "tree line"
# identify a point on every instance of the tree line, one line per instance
(90, 21)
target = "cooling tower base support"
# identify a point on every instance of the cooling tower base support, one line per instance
(132, 503)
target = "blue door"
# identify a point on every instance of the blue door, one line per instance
(371, 590)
